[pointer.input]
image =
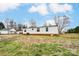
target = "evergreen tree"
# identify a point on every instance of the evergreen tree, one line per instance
(1, 26)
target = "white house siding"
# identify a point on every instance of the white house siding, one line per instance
(3, 32)
(29, 30)
(51, 30)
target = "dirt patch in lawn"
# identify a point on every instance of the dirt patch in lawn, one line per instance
(40, 40)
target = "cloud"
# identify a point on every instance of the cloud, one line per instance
(44, 9)
(8, 6)
(50, 22)
(33, 9)
(41, 9)
(60, 8)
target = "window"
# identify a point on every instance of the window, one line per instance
(38, 29)
(32, 29)
(24, 30)
(46, 29)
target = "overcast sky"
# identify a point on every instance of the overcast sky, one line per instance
(22, 13)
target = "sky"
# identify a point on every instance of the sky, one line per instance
(40, 12)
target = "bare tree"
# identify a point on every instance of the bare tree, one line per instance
(32, 23)
(20, 27)
(9, 23)
(47, 24)
(15, 25)
(6, 22)
(24, 26)
(61, 22)
(12, 24)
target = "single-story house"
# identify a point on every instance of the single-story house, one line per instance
(41, 30)
(5, 31)
(12, 31)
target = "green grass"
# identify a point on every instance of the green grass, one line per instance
(23, 45)
(15, 48)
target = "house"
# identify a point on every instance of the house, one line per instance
(12, 31)
(5, 31)
(41, 30)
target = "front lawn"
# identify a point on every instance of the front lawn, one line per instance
(29, 45)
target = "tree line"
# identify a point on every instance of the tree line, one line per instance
(73, 30)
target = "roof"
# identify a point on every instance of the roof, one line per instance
(12, 30)
(44, 26)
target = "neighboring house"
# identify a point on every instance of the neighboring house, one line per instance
(41, 30)
(5, 31)
(12, 31)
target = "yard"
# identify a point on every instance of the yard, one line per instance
(31, 45)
